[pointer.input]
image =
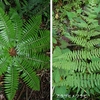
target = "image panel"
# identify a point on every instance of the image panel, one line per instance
(76, 50)
(25, 50)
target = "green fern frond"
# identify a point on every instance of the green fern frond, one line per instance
(31, 26)
(36, 43)
(29, 77)
(3, 65)
(11, 82)
(6, 28)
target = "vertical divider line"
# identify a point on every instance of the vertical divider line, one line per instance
(51, 49)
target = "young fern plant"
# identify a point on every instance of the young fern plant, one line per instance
(80, 69)
(22, 51)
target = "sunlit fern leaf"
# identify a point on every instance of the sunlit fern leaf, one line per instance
(23, 49)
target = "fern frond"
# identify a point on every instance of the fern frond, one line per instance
(36, 43)
(28, 76)
(11, 82)
(31, 27)
(83, 82)
(6, 28)
(17, 23)
(3, 65)
(78, 40)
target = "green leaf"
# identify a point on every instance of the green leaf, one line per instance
(6, 2)
(64, 44)
(60, 90)
(30, 77)
(57, 51)
(71, 15)
(57, 76)
(11, 82)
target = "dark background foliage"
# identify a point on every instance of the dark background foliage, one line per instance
(28, 8)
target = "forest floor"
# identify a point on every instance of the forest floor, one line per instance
(25, 93)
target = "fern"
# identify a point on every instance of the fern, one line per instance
(34, 6)
(81, 67)
(22, 48)
(26, 8)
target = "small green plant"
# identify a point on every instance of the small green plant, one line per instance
(22, 51)
(77, 68)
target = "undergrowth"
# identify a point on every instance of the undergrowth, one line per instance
(76, 45)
